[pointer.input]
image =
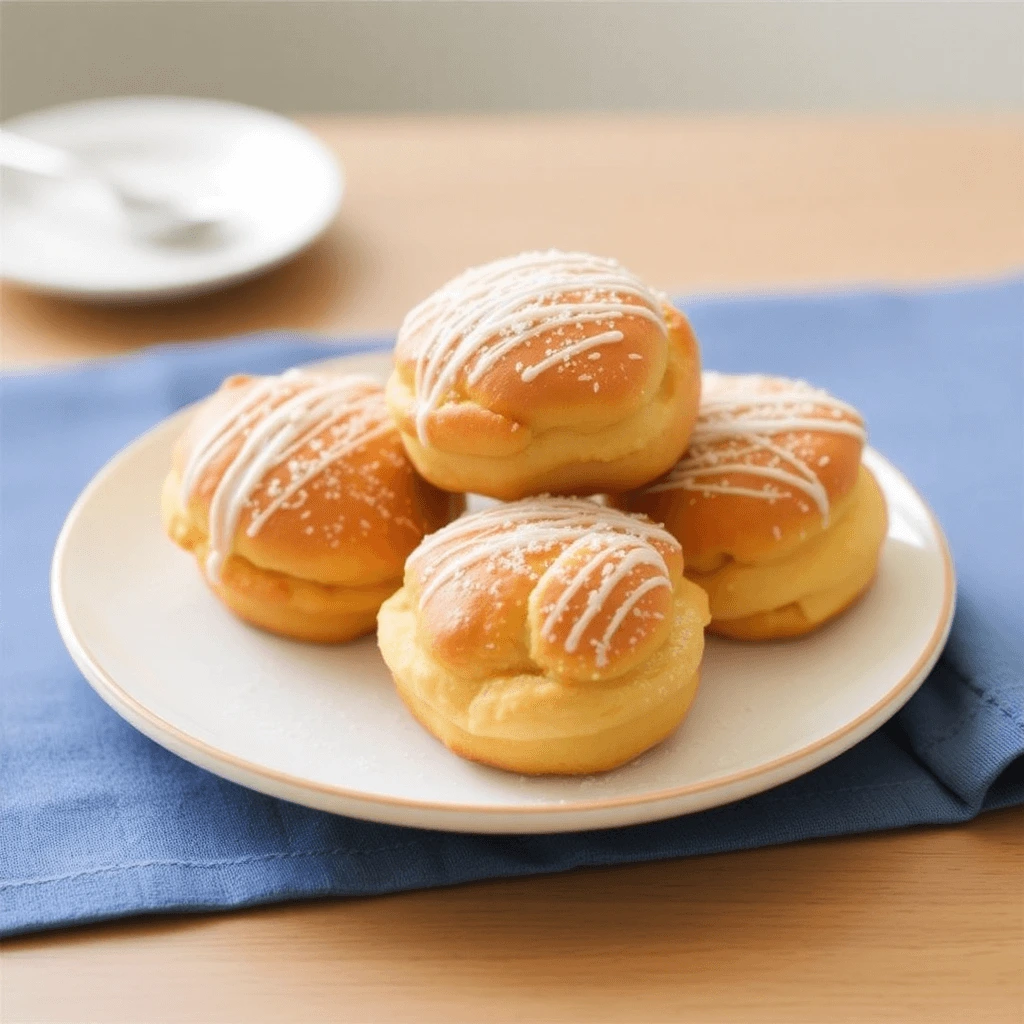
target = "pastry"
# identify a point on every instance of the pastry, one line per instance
(295, 495)
(551, 635)
(545, 372)
(779, 520)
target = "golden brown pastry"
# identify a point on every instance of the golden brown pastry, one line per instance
(296, 497)
(548, 636)
(779, 520)
(545, 372)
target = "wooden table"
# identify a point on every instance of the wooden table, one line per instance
(923, 925)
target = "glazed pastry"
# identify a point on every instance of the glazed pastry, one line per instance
(546, 372)
(551, 635)
(779, 520)
(296, 498)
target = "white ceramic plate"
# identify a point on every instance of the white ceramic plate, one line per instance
(280, 185)
(323, 726)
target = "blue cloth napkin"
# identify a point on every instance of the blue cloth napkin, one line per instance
(97, 822)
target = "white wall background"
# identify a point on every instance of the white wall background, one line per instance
(430, 55)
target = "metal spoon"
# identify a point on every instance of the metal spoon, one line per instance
(154, 216)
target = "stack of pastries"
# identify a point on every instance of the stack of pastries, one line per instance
(562, 629)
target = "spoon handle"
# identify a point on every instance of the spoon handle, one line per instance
(23, 154)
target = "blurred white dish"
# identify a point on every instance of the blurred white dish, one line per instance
(279, 185)
(324, 726)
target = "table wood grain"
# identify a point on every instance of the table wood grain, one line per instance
(923, 924)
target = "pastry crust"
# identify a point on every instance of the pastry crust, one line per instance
(546, 372)
(778, 519)
(296, 497)
(546, 636)
(815, 583)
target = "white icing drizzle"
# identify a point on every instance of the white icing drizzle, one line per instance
(487, 312)
(740, 422)
(277, 418)
(617, 558)
(499, 537)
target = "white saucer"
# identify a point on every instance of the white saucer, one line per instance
(281, 184)
(323, 726)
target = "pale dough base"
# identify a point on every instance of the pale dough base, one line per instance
(537, 725)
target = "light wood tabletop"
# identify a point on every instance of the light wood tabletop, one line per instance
(924, 924)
